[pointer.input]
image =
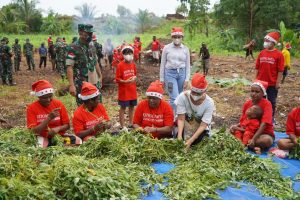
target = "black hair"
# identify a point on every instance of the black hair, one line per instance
(127, 51)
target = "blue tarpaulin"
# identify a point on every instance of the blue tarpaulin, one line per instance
(290, 168)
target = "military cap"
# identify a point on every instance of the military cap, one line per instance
(80, 27)
(4, 39)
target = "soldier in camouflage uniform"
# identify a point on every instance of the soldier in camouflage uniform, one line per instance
(82, 62)
(28, 53)
(98, 47)
(6, 62)
(17, 54)
(60, 50)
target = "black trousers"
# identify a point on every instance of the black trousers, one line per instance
(43, 60)
(272, 93)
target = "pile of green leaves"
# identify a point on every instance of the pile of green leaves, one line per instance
(228, 82)
(118, 167)
(295, 152)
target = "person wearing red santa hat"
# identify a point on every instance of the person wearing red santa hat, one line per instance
(264, 136)
(154, 115)
(90, 119)
(270, 66)
(175, 66)
(194, 112)
(47, 117)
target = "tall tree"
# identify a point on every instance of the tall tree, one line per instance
(143, 19)
(9, 21)
(87, 13)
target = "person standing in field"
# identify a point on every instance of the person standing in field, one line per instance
(270, 66)
(109, 52)
(287, 60)
(52, 55)
(6, 62)
(249, 49)
(81, 62)
(175, 66)
(43, 55)
(28, 53)
(17, 54)
(204, 54)
(60, 50)
(155, 47)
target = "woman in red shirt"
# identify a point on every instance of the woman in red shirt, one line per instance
(47, 117)
(264, 136)
(90, 118)
(154, 115)
(292, 129)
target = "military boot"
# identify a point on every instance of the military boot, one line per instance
(11, 83)
(4, 82)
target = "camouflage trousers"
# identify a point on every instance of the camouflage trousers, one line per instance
(78, 86)
(61, 68)
(6, 72)
(30, 62)
(17, 60)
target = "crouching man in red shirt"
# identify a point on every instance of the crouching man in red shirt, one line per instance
(154, 115)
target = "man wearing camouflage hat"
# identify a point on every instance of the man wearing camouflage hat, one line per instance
(16, 47)
(81, 62)
(29, 54)
(6, 62)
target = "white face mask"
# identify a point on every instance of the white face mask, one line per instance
(177, 41)
(196, 98)
(267, 45)
(128, 58)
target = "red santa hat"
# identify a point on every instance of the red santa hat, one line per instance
(127, 47)
(177, 31)
(41, 88)
(288, 46)
(273, 37)
(155, 89)
(262, 84)
(88, 91)
(199, 83)
(94, 37)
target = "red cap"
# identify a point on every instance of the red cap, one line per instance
(273, 37)
(41, 88)
(177, 31)
(88, 91)
(94, 37)
(199, 83)
(262, 84)
(155, 89)
(288, 46)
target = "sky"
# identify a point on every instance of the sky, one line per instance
(159, 7)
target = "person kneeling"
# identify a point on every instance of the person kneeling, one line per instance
(194, 109)
(47, 117)
(154, 115)
(90, 119)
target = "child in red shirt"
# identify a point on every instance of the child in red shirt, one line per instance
(90, 118)
(47, 117)
(126, 80)
(249, 126)
(154, 115)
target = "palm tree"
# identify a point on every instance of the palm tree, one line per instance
(9, 20)
(143, 19)
(87, 13)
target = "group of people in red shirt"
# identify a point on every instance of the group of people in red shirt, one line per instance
(48, 117)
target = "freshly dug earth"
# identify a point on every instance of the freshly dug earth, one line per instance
(228, 100)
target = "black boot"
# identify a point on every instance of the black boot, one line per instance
(11, 83)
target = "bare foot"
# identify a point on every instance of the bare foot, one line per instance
(257, 150)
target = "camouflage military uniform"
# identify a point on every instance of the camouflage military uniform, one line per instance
(6, 63)
(82, 57)
(28, 52)
(60, 49)
(17, 56)
(98, 47)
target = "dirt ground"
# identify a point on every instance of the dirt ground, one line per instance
(228, 100)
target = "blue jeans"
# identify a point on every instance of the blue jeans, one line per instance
(272, 96)
(174, 81)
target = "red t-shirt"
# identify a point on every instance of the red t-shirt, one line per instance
(127, 91)
(83, 119)
(251, 125)
(158, 117)
(293, 122)
(268, 64)
(36, 114)
(266, 106)
(155, 45)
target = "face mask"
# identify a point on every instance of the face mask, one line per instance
(128, 58)
(196, 98)
(177, 41)
(267, 44)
